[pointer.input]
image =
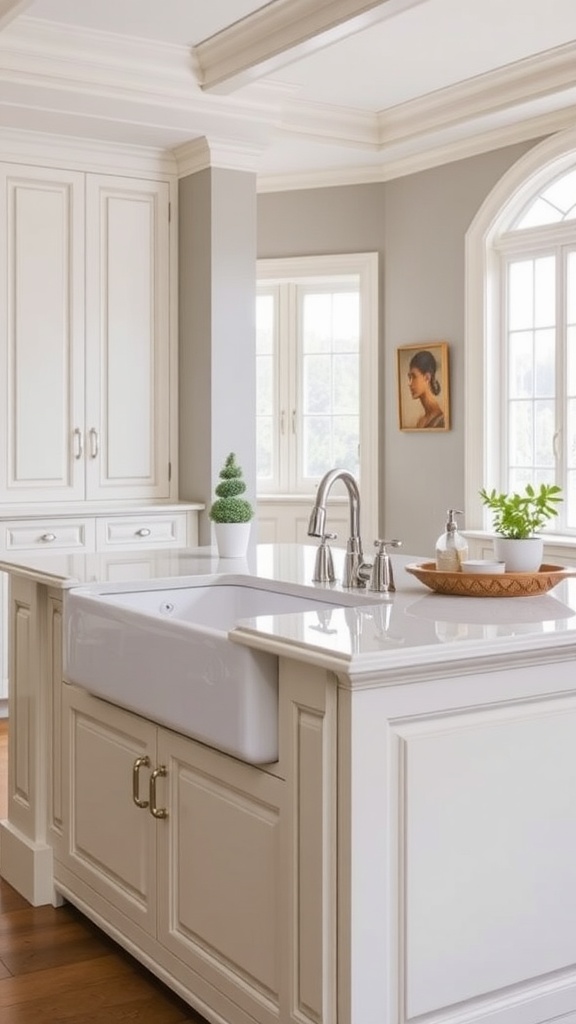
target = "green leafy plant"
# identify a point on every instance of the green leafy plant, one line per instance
(518, 516)
(229, 507)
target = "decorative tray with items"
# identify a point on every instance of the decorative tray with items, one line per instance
(501, 584)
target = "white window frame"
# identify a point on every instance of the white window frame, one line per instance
(483, 425)
(365, 267)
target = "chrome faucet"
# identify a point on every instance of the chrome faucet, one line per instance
(356, 570)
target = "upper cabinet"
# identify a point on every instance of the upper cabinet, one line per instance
(84, 336)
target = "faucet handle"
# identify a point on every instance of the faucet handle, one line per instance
(382, 577)
(324, 566)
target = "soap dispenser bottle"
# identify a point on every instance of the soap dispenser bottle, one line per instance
(451, 548)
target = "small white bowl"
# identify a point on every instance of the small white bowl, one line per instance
(483, 565)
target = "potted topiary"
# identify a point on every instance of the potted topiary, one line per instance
(230, 513)
(516, 518)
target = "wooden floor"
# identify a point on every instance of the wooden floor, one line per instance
(58, 968)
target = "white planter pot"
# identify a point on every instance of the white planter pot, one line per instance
(519, 555)
(232, 539)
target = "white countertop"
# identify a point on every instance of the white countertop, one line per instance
(409, 628)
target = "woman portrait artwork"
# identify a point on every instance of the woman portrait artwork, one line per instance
(423, 387)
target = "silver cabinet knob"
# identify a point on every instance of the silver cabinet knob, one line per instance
(143, 532)
(47, 537)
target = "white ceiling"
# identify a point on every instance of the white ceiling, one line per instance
(303, 91)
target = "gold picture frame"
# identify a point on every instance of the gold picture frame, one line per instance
(423, 381)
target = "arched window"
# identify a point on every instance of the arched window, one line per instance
(521, 332)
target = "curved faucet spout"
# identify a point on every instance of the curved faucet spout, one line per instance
(318, 515)
(354, 568)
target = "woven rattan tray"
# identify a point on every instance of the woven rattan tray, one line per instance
(504, 584)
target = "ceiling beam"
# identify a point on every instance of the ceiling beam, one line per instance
(10, 9)
(281, 32)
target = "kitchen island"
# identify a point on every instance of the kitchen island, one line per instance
(409, 855)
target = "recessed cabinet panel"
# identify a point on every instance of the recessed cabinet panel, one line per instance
(489, 825)
(128, 338)
(112, 842)
(42, 333)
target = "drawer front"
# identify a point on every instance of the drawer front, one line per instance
(159, 530)
(49, 535)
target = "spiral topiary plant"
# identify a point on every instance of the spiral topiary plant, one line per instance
(228, 507)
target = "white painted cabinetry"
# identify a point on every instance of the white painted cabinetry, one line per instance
(84, 336)
(179, 841)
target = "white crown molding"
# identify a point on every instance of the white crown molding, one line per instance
(525, 81)
(201, 154)
(102, 63)
(49, 150)
(98, 84)
(425, 158)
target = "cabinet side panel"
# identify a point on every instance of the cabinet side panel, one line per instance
(490, 831)
(308, 708)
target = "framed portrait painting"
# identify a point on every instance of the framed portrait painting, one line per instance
(423, 386)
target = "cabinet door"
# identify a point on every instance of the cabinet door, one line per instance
(111, 842)
(128, 338)
(41, 334)
(220, 873)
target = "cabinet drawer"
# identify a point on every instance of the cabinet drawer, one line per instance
(158, 530)
(48, 534)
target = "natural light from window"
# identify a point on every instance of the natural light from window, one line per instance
(538, 364)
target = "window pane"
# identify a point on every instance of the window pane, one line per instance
(264, 386)
(521, 434)
(562, 193)
(345, 450)
(521, 295)
(544, 420)
(317, 453)
(346, 322)
(317, 384)
(545, 360)
(317, 323)
(544, 292)
(330, 381)
(555, 203)
(266, 414)
(264, 324)
(521, 371)
(264, 443)
(346, 396)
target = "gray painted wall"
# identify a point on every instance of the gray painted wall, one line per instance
(418, 225)
(217, 349)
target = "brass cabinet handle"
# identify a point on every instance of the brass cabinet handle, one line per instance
(140, 762)
(157, 812)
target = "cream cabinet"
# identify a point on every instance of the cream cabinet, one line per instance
(180, 842)
(85, 332)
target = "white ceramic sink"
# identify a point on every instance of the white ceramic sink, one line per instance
(165, 653)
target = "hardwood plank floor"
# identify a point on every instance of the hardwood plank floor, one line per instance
(56, 967)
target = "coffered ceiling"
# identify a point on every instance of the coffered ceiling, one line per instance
(305, 92)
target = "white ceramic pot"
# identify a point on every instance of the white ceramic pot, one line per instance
(519, 555)
(232, 539)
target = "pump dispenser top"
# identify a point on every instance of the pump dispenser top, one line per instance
(451, 548)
